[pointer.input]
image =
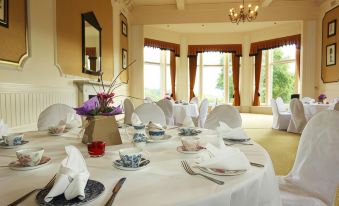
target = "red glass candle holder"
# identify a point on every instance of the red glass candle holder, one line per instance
(96, 148)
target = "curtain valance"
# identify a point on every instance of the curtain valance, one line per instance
(163, 45)
(274, 43)
(193, 50)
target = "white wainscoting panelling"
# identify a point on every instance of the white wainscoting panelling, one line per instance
(21, 104)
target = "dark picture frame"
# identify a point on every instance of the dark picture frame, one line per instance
(124, 28)
(4, 13)
(124, 58)
(332, 28)
(331, 54)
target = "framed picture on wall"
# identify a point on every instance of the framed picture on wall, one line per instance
(4, 13)
(332, 27)
(124, 28)
(331, 54)
(124, 58)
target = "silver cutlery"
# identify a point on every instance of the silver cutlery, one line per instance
(21, 199)
(191, 172)
(256, 164)
(115, 191)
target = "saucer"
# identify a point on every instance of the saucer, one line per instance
(182, 150)
(17, 166)
(5, 146)
(222, 172)
(164, 139)
(117, 165)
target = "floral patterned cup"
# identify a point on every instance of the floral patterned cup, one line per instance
(13, 139)
(131, 157)
(30, 157)
(190, 143)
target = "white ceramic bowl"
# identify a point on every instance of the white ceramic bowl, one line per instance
(30, 156)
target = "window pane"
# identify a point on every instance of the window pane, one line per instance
(168, 80)
(263, 81)
(230, 81)
(213, 58)
(213, 83)
(152, 81)
(196, 89)
(283, 80)
(168, 56)
(151, 55)
(284, 53)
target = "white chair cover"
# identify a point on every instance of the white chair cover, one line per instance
(336, 106)
(280, 119)
(55, 113)
(195, 100)
(150, 112)
(148, 100)
(167, 107)
(225, 113)
(129, 109)
(298, 119)
(307, 100)
(281, 105)
(314, 176)
(203, 110)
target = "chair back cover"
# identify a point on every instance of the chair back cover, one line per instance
(195, 100)
(167, 107)
(336, 106)
(203, 110)
(317, 161)
(129, 109)
(55, 113)
(298, 115)
(225, 113)
(280, 104)
(148, 100)
(150, 112)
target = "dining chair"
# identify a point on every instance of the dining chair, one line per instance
(167, 107)
(298, 120)
(281, 119)
(281, 105)
(148, 100)
(55, 113)
(203, 110)
(195, 100)
(128, 109)
(150, 112)
(314, 177)
(225, 113)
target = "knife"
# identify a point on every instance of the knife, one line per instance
(115, 191)
(256, 164)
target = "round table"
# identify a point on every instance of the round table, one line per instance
(180, 111)
(163, 182)
(312, 109)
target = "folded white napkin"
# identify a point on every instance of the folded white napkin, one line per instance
(72, 121)
(224, 131)
(72, 177)
(3, 128)
(135, 120)
(228, 158)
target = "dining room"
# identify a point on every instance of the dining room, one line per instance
(172, 102)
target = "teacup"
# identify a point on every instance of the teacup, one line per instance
(30, 157)
(131, 157)
(190, 143)
(13, 139)
(155, 131)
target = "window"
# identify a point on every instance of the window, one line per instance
(214, 79)
(278, 77)
(157, 75)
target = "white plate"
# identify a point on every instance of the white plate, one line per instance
(5, 146)
(222, 173)
(181, 150)
(129, 168)
(164, 139)
(16, 165)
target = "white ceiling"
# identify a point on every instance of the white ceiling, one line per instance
(226, 27)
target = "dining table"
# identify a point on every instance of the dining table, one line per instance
(314, 108)
(163, 182)
(183, 110)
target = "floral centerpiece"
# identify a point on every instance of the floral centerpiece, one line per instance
(100, 113)
(322, 97)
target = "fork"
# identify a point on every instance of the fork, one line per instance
(191, 172)
(21, 199)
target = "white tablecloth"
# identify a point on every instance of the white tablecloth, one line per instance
(164, 182)
(183, 110)
(313, 109)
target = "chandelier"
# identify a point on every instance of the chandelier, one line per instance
(243, 15)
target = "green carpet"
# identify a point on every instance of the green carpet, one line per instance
(282, 146)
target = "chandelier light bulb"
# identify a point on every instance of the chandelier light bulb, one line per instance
(256, 8)
(241, 6)
(249, 6)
